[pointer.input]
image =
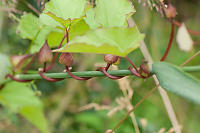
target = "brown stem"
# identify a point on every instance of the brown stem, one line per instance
(44, 68)
(32, 8)
(56, 55)
(135, 73)
(103, 69)
(74, 76)
(107, 66)
(197, 33)
(48, 79)
(16, 79)
(130, 111)
(130, 61)
(170, 41)
(191, 58)
(30, 63)
(22, 61)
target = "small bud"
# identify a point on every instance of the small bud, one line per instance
(45, 54)
(170, 11)
(110, 59)
(66, 59)
(144, 69)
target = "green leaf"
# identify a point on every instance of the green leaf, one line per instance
(35, 116)
(29, 26)
(176, 81)
(78, 29)
(5, 67)
(111, 13)
(90, 19)
(40, 38)
(59, 12)
(17, 95)
(116, 41)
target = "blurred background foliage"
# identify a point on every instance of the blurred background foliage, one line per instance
(63, 99)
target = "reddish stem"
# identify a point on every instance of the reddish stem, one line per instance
(21, 62)
(67, 35)
(107, 66)
(56, 55)
(197, 33)
(48, 79)
(135, 73)
(130, 61)
(74, 76)
(102, 69)
(170, 41)
(16, 79)
(30, 63)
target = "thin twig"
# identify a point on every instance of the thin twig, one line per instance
(32, 8)
(170, 41)
(30, 63)
(197, 33)
(55, 56)
(191, 58)
(130, 111)
(130, 61)
(49, 79)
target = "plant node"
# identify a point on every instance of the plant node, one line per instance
(111, 59)
(170, 11)
(66, 59)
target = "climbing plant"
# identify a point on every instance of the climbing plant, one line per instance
(61, 28)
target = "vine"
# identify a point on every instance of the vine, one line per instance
(90, 28)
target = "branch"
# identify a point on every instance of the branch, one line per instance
(91, 73)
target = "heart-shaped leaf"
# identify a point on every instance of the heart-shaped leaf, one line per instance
(176, 81)
(111, 13)
(116, 41)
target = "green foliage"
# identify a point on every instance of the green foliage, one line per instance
(18, 97)
(113, 13)
(176, 81)
(5, 67)
(29, 26)
(62, 12)
(116, 41)
(35, 116)
(90, 19)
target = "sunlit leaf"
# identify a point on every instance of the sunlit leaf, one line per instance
(40, 38)
(80, 28)
(29, 26)
(176, 81)
(59, 12)
(5, 67)
(112, 13)
(90, 19)
(116, 41)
